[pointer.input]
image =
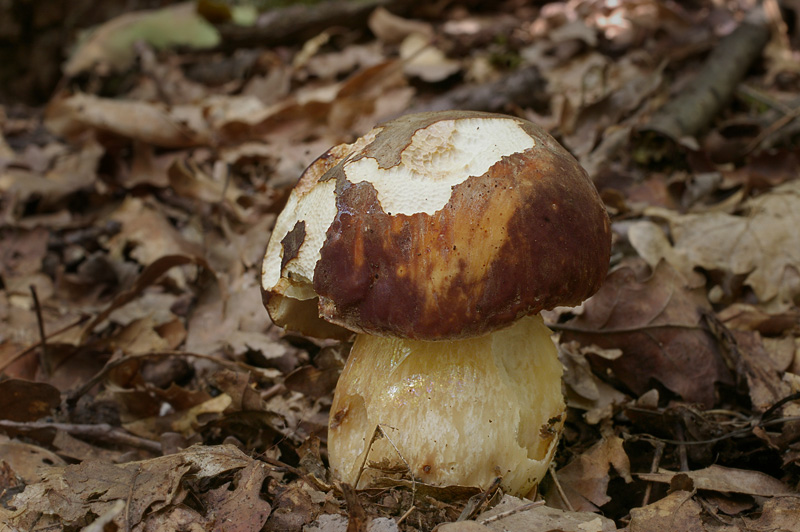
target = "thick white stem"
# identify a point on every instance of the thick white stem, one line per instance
(456, 413)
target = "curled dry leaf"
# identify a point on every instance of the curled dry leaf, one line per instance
(762, 243)
(585, 479)
(656, 322)
(168, 127)
(584, 390)
(676, 511)
(240, 509)
(391, 29)
(539, 518)
(727, 480)
(425, 61)
(75, 492)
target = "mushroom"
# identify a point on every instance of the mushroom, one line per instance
(438, 238)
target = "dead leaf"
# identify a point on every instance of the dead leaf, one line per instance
(676, 511)
(111, 46)
(585, 479)
(392, 29)
(727, 480)
(160, 125)
(148, 276)
(585, 390)
(762, 243)
(540, 519)
(763, 375)
(656, 322)
(779, 513)
(240, 509)
(186, 422)
(74, 492)
(27, 460)
(27, 401)
(425, 61)
(293, 508)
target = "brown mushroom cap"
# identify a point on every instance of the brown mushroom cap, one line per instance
(435, 226)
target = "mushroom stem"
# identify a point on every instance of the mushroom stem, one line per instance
(459, 412)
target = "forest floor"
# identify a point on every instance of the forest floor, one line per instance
(144, 386)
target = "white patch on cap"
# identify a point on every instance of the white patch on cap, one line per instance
(439, 157)
(317, 208)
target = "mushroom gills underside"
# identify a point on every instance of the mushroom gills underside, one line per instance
(457, 412)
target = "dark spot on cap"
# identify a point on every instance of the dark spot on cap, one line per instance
(292, 241)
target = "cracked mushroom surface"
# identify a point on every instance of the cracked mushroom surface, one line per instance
(438, 238)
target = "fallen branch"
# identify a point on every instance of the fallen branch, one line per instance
(693, 110)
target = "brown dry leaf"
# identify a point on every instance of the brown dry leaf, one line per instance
(28, 461)
(240, 509)
(727, 480)
(585, 390)
(186, 422)
(294, 507)
(169, 127)
(22, 251)
(656, 322)
(140, 336)
(425, 61)
(62, 174)
(234, 321)
(392, 29)
(779, 513)
(745, 317)
(762, 243)
(147, 235)
(540, 519)
(147, 277)
(78, 450)
(585, 479)
(27, 401)
(238, 387)
(763, 374)
(190, 181)
(676, 511)
(73, 493)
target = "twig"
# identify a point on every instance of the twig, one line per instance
(474, 505)
(44, 361)
(684, 459)
(406, 514)
(773, 127)
(35, 346)
(518, 509)
(700, 101)
(561, 493)
(102, 432)
(653, 469)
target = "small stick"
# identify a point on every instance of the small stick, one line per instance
(518, 509)
(682, 447)
(44, 361)
(560, 489)
(653, 468)
(406, 514)
(102, 431)
(474, 505)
